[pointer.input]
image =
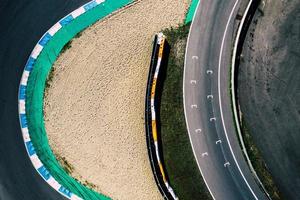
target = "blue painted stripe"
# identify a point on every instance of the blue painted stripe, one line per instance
(44, 172)
(66, 20)
(90, 5)
(65, 191)
(23, 120)
(22, 92)
(30, 148)
(45, 39)
(29, 64)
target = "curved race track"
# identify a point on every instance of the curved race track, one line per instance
(208, 106)
(22, 23)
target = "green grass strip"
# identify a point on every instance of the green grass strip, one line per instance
(180, 163)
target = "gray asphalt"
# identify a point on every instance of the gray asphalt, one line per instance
(269, 91)
(22, 23)
(234, 181)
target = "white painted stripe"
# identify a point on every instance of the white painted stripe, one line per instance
(51, 181)
(25, 134)
(184, 99)
(244, 149)
(172, 193)
(36, 51)
(220, 99)
(152, 101)
(78, 12)
(24, 78)
(153, 115)
(21, 106)
(152, 104)
(167, 185)
(75, 197)
(54, 29)
(99, 1)
(156, 150)
(160, 37)
(36, 161)
(152, 108)
(157, 68)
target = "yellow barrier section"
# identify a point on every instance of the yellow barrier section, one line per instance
(154, 131)
(161, 42)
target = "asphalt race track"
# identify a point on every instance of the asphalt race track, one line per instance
(208, 106)
(22, 23)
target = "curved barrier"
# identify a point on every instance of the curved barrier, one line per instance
(238, 45)
(151, 119)
(31, 92)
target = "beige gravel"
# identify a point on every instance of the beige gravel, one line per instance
(94, 108)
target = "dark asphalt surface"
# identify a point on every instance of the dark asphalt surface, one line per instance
(217, 142)
(269, 91)
(22, 23)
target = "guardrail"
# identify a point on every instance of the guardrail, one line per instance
(151, 118)
(238, 46)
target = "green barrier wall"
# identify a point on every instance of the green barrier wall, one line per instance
(192, 10)
(35, 93)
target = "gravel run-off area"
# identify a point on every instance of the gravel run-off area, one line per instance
(94, 106)
(269, 90)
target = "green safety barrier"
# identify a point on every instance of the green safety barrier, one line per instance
(35, 94)
(192, 10)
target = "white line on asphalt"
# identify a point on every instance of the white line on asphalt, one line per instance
(193, 82)
(184, 104)
(234, 100)
(194, 106)
(195, 57)
(263, 5)
(218, 141)
(198, 130)
(220, 99)
(209, 72)
(210, 96)
(212, 119)
(204, 154)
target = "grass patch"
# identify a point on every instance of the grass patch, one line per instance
(67, 46)
(259, 164)
(49, 78)
(69, 169)
(65, 164)
(183, 172)
(89, 184)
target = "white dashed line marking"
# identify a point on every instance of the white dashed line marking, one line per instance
(218, 142)
(210, 96)
(226, 164)
(198, 130)
(193, 82)
(212, 119)
(209, 72)
(194, 106)
(204, 154)
(220, 98)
